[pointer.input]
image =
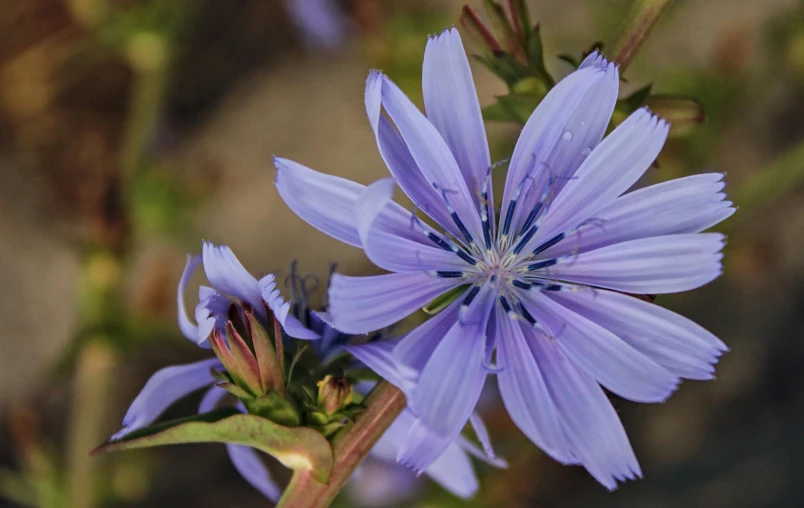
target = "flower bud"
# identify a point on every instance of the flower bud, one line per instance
(334, 393)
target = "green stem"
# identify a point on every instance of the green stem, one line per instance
(350, 447)
(634, 30)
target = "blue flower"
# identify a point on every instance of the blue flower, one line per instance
(232, 285)
(548, 291)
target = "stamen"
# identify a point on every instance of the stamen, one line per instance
(525, 239)
(524, 285)
(505, 305)
(532, 216)
(542, 264)
(470, 296)
(455, 218)
(549, 243)
(291, 281)
(484, 210)
(443, 243)
(438, 241)
(447, 274)
(509, 215)
(527, 315)
(466, 257)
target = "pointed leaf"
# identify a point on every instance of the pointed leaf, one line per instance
(521, 18)
(298, 448)
(478, 31)
(536, 57)
(502, 27)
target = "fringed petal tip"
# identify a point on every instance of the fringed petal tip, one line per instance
(281, 310)
(596, 60)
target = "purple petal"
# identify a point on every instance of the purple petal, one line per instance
(453, 470)
(450, 101)
(524, 392)
(211, 399)
(564, 128)
(683, 205)
(475, 451)
(400, 162)
(325, 202)
(610, 170)
(366, 304)
(674, 342)
(615, 364)
(482, 434)
(250, 467)
(281, 310)
(415, 348)
(212, 312)
(422, 446)
(385, 248)
(227, 275)
(164, 388)
(450, 383)
(594, 431)
(328, 203)
(664, 264)
(378, 356)
(432, 155)
(187, 327)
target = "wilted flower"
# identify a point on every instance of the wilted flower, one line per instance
(544, 296)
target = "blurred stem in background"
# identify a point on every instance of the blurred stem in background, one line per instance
(103, 314)
(635, 29)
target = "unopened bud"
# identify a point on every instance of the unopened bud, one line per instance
(683, 113)
(334, 393)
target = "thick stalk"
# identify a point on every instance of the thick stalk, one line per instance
(634, 30)
(349, 448)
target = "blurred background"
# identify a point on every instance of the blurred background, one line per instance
(132, 129)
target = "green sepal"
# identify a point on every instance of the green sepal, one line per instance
(274, 408)
(330, 429)
(297, 448)
(235, 390)
(439, 303)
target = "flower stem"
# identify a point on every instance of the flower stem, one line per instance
(634, 30)
(350, 447)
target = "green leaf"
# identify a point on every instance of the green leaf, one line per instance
(536, 57)
(574, 62)
(637, 99)
(513, 107)
(298, 448)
